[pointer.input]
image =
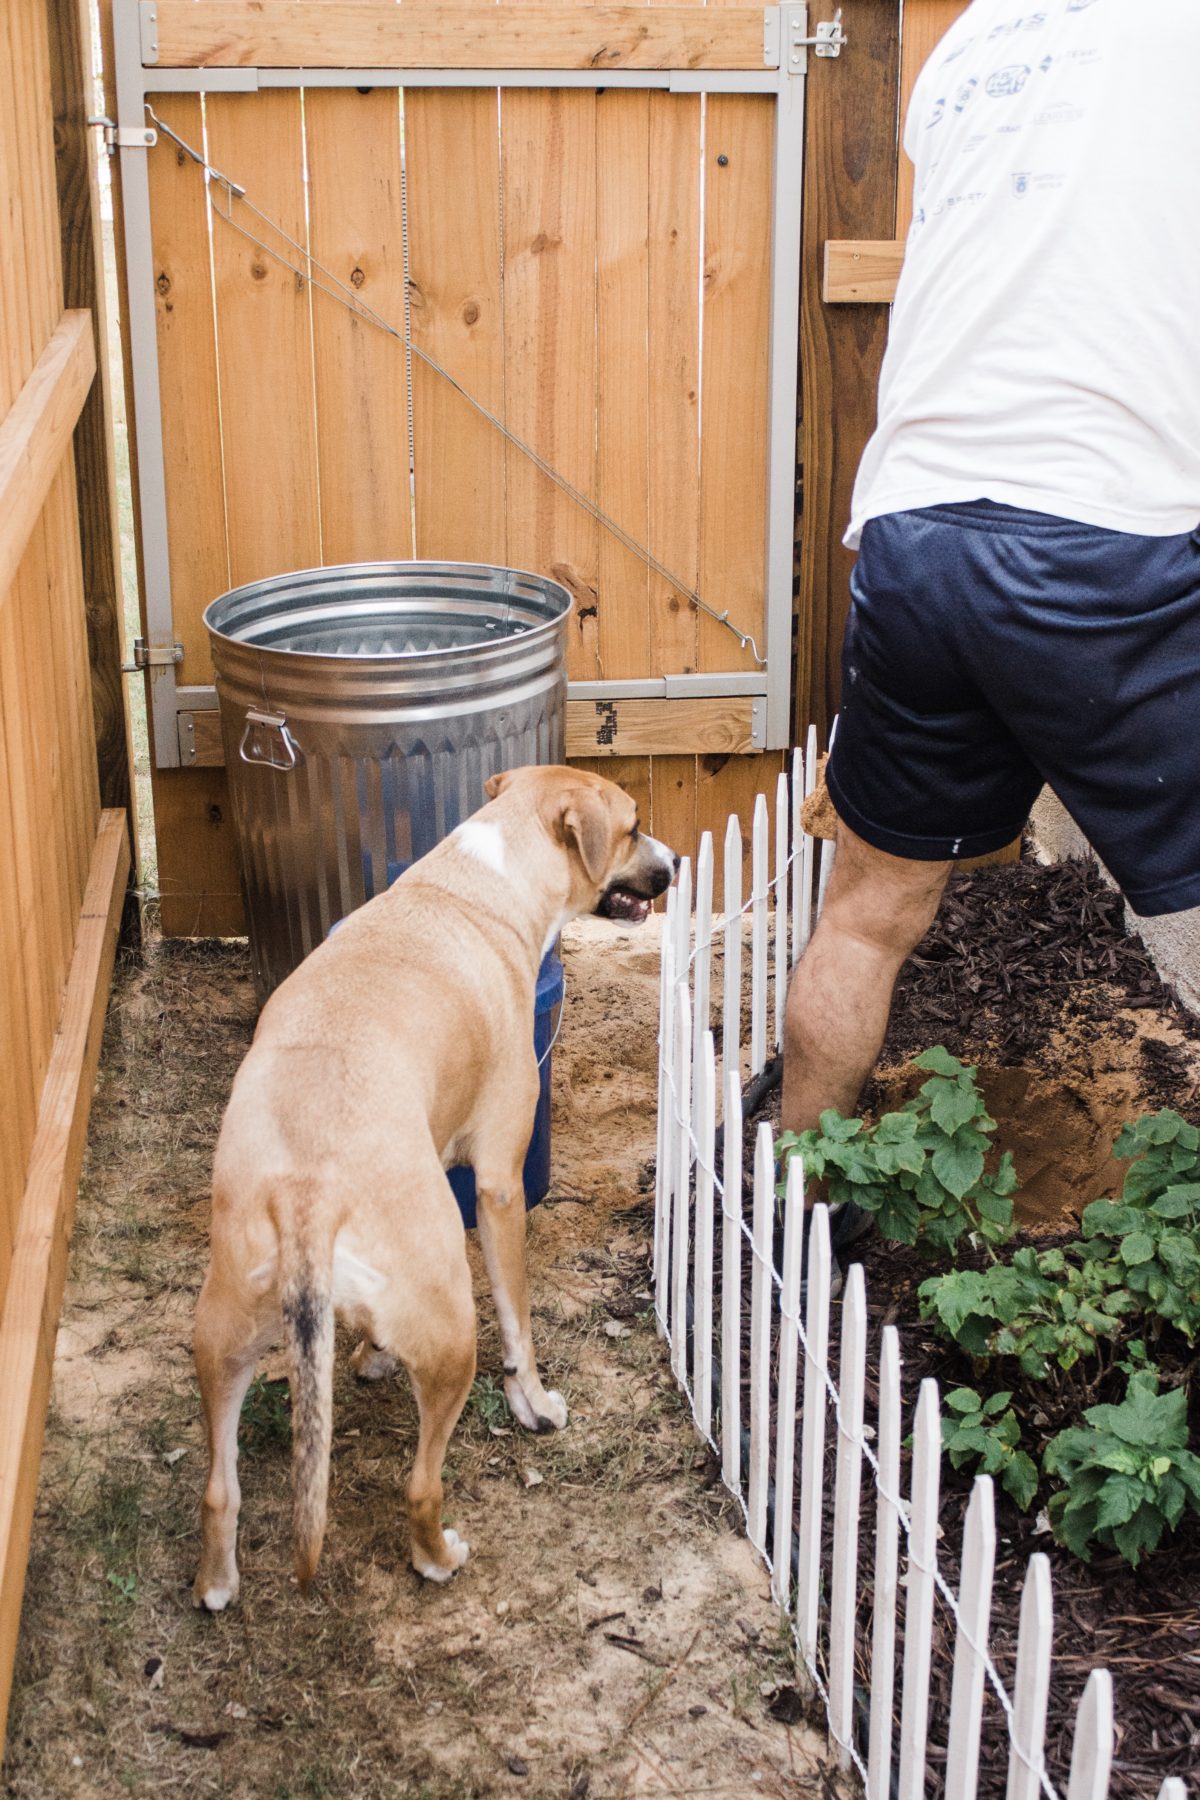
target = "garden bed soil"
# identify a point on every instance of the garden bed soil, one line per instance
(612, 1633)
(1029, 974)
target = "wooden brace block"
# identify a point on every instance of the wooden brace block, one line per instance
(33, 1294)
(859, 270)
(378, 34)
(721, 726)
(37, 432)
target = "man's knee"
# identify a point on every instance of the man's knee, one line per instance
(885, 902)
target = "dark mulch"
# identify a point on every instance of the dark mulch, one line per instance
(1033, 966)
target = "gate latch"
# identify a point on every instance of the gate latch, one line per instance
(124, 137)
(152, 656)
(830, 39)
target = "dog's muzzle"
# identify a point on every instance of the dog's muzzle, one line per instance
(630, 899)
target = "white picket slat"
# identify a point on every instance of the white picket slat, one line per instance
(683, 1182)
(706, 1123)
(731, 1288)
(808, 845)
(731, 1020)
(843, 1599)
(918, 1605)
(887, 1551)
(974, 1617)
(812, 1437)
(1031, 1686)
(667, 1136)
(1092, 1751)
(681, 915)
(797, 798)
(1173, 1789)
(702, 966)
(826, 869)
(785, 1383)
(758, 936)
(781, 905)
(761, 1306)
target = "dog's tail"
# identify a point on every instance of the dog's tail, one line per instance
(306, 1270)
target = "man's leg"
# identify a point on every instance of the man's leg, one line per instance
(877, 909)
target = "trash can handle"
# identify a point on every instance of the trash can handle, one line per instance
(257, 745)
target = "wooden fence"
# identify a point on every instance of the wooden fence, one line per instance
(807, 1533)
(63, 860)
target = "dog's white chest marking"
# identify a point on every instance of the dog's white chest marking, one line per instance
(355, 1282)
(485, 842)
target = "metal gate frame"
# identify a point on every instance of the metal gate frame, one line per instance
(786, 44)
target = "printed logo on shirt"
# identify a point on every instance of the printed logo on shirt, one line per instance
(1003, 83)
(1061, 113)
(937, 115)
(1024, 182)
(1079, 5)
(1024, 22)
(964, 94)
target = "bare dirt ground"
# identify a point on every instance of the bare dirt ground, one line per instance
(611, 1634)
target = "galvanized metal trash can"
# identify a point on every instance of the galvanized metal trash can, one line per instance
(362, 709)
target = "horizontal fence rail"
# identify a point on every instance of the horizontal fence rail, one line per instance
(807, 1535)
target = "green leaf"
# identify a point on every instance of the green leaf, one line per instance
(939, 1061)
(1136, 1248)
(966, 1400)
(958, 1168)
(837, 1129)
(952, 1105)
(1020, 1480)
(1178, 1202)
(896, 1128)
(892, 1159)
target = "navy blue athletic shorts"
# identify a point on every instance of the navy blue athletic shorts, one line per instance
(989, 650)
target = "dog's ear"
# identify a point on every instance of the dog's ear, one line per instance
(496, 784)
(585, 824)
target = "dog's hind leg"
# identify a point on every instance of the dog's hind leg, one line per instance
(431, 1328)
(228, 1337)
(500, 1215)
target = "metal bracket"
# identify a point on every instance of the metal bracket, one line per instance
(148, 30)
(758, 724)
(152, 656)
(124, 137)
(771, 37)
(830, 39)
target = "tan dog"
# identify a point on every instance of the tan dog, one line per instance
(401, 1046)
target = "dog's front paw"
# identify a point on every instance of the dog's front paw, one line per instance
(533, 1407)
(457, 1551)
(555, 1410)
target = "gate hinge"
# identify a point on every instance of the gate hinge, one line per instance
(830, 39)
(152, 656)
(124, 137)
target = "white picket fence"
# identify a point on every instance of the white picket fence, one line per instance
(688, 1196)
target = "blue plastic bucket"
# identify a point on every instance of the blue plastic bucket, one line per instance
(548, 997)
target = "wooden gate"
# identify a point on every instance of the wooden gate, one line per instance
(607, 262)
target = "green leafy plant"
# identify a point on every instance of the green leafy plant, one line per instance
(1152, 1233)
(921, 1170)
(1128, 1473)
(986, 1433)
(1043, 1307)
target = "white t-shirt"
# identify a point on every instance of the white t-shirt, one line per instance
(1044, 348)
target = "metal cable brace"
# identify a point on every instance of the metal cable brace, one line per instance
(124, 137)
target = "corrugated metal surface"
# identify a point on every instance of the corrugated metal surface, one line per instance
(362, 710)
